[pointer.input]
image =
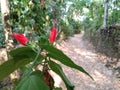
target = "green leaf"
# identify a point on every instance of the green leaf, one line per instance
(43, 41)
(21, 57)
(57, 88)
(34, 81)
(57, 69)
(59, 55)
(11, 65)
(37, 1)
(23, 51)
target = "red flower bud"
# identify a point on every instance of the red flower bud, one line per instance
(53, 35)
(20, 38)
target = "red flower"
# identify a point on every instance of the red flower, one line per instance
(20, 38)
(53, 34)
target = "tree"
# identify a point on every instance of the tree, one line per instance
(7, 30)
(8, 38)
(105, 13)
(6, 23)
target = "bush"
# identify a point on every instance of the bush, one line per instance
(69, 28)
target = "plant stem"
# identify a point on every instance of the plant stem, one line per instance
(34, 62)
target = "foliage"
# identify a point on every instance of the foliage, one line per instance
(91, 13)
(69, 27)
(27, 16)
(76, 26)
(2, 40)
(66, 29)
(33, 81)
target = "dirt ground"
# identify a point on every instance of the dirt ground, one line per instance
(83, 53)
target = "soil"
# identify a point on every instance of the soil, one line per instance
(82, 52)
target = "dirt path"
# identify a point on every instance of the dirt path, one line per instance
(83, 53)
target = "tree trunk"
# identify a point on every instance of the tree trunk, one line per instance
(105, 13)
(6, 23)
(8, 38)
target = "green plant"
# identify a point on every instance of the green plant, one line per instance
(28, 16)
(2, 39)
(29, 57)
